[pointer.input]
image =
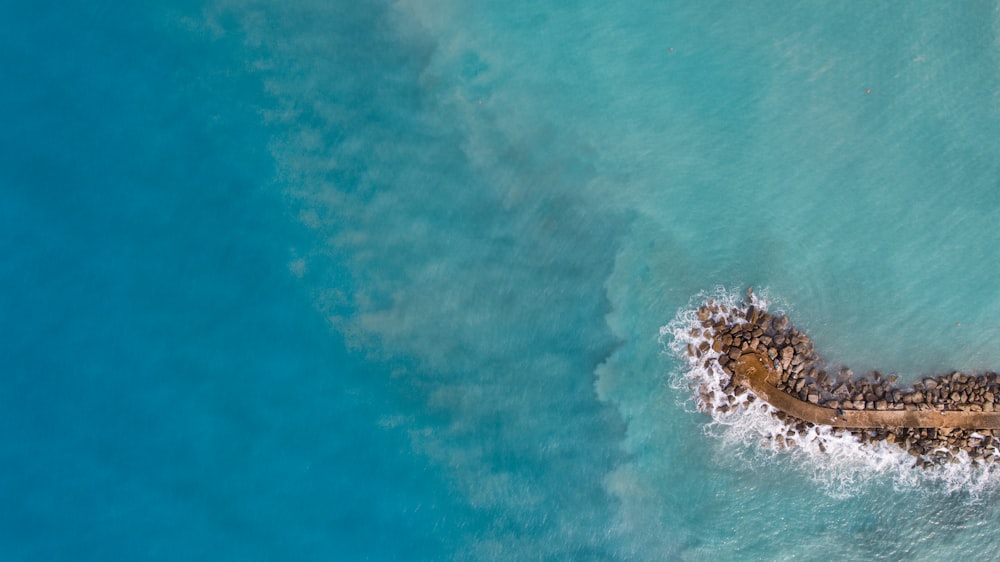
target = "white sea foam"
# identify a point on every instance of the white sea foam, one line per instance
(748, 430)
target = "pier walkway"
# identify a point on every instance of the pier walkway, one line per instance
(754, 371)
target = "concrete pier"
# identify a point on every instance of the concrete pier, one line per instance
(937, 419)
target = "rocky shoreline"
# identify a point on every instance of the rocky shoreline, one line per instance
(727, 333)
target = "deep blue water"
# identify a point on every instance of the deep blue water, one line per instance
(169, 389)
(346, 280)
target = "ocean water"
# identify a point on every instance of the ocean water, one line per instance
(400, 280)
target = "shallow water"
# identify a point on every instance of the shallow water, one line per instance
(335, 280)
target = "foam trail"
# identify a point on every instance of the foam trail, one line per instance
(837, 460)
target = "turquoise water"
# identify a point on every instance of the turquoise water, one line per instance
(344, 280)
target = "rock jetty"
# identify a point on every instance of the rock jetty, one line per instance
(940, 419)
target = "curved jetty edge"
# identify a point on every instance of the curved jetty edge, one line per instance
(941, 419)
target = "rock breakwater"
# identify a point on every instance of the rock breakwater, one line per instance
(944, 418)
